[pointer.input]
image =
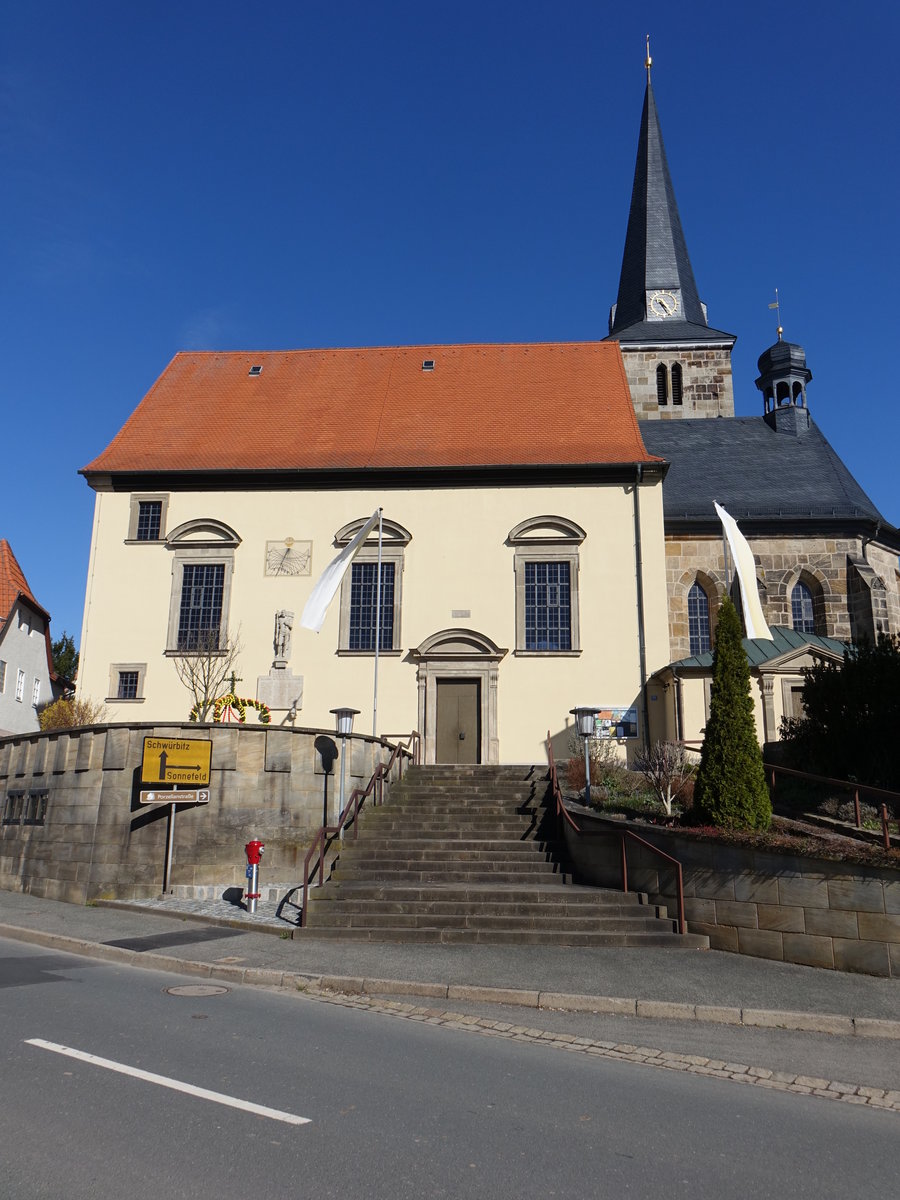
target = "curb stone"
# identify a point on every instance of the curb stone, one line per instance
(692, 1064)
(831, 1023)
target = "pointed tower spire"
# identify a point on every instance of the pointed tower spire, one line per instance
(658, 306)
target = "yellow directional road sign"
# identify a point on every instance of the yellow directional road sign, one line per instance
(176, 760)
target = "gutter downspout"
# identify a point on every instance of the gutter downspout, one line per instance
(639, 572)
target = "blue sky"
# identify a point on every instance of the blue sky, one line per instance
(286, 175)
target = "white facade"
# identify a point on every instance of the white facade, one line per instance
(458, 615)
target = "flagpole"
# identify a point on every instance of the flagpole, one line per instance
(377, 628)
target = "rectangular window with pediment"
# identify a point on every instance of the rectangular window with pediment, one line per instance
(546, 562)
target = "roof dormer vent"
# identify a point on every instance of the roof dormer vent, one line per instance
(255, 370)
(428, 364)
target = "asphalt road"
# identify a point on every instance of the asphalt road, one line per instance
(394, 1108)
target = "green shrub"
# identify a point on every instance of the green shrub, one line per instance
(730, 790)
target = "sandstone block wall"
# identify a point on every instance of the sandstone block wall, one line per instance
(707, 386)
(854, 586)
(792, 909)
(73, 827)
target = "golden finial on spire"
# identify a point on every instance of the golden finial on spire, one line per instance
(777, 307)
(648, 63)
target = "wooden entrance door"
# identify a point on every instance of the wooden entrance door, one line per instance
(458, 726)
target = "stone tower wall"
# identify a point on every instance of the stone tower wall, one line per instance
(707, 382)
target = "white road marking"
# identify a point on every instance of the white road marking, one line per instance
(176, 1085)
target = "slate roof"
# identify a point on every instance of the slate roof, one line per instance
(655, 254)
(763, 650)
(753, 472)
(481, 405)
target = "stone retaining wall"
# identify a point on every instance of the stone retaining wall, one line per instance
(73, 827)
(780, 906)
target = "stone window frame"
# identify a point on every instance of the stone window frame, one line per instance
(555, 539)
(13, 806)
(134, 513)
(817, 591)
(394, 540)
(115, 671)
(200, 542)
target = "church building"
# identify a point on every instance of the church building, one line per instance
(549, 535)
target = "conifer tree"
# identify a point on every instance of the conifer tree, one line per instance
(730, 790)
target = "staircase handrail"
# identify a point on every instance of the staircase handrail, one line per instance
(408, 744)
(565, 817)
(851, 786)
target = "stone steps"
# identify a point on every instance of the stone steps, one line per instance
(464, 855)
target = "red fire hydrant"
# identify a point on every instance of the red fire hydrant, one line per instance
(254, 851)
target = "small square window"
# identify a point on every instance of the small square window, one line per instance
(126, 682)
(12, 809)
(149, 518)
(128, 685)
(255, 371)
(34, 809)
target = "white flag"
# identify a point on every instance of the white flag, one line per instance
(745, 569)
(330, 580)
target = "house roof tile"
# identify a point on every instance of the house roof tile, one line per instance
(480, 405)
(12, 581)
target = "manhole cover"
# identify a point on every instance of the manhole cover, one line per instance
(197, 989)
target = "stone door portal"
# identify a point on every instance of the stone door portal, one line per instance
(458, 738)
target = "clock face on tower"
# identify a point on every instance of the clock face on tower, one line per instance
(288, 557)
(663, 304)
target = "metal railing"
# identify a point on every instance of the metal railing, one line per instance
(375, 788)
(565, 817)
(850, 786)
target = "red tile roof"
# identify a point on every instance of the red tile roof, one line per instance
(492, 405)
(12, 581)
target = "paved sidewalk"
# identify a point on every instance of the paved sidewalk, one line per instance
(199, 938)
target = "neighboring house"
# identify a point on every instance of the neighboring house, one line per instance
(27, 678)
(537, 554)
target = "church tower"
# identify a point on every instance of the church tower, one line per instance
(677, 366)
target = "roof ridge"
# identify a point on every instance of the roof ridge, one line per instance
(583, 342)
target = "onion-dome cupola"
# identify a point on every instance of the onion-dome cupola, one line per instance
(783, 376)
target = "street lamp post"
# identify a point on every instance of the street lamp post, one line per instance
(344, 724)
(585, 723)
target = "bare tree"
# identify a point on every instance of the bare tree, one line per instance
(207, 667)
(668, 770)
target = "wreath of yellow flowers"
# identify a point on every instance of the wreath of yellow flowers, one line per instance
(239, 704)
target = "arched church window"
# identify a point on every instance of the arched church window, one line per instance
(698, 619)
(662, 384)
(803, 617)
(676, 383)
